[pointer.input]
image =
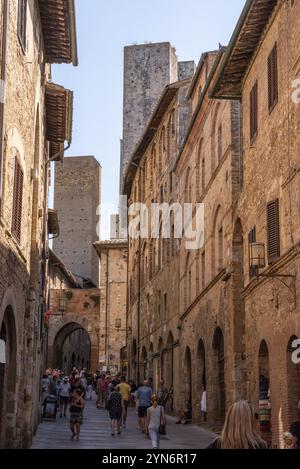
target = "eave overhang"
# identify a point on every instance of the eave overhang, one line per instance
(58, 20)
(241, 49)
(59, 118)
(103, 246)
(203, 95)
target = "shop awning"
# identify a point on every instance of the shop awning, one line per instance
(59, 118)
(59, 30)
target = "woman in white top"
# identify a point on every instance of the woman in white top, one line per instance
(156, 418)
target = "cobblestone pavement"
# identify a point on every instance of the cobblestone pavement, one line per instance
(95, 434)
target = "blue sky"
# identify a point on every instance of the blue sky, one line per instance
(103, 29)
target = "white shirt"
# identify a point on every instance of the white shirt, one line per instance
(204, 402)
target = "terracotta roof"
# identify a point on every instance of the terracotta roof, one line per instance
(197, 73)
(59, 30)
(242, 47)
(205, 91)
(59, 117)
(167, 97)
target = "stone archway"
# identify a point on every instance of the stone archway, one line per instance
(61, 327)
(70, 339)
(8, 369)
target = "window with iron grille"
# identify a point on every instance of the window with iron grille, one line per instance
(22, 23)
(253, 270)
(254, 112)
(273, 231)
(17, 201)
(273, 78)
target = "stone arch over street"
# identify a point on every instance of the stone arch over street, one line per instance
(60, 329)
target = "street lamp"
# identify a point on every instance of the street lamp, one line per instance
(257, 255)
(257, 260)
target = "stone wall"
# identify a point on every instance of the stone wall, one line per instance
(113, 323)
(76, 198)
(22, 297)
(271, 165)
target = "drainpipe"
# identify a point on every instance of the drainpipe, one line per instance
(3, 79)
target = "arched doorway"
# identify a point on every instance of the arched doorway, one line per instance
(72, 340)
(201, 378)
(187, 377)
(168, 362)
(8, 370)
(134, 359)
(239, 311)
(150, 361)
(144, 370)
(293, 382)
(219, 392)
(264, 392)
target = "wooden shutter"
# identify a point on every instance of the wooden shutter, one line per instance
(22, 23)
(17, 201)
(273, 231)
(253, 270)
(254, 112)
(273, 78)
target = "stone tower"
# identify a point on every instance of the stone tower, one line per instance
(148, 68)
(76, 198)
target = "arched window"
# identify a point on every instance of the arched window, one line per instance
(203, 175)
(219, 375)
(198, 167)
(220, 143)
(217, 260)
(187, 283)
(188, 187)
(214, 138)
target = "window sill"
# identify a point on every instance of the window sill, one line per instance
(16, 244)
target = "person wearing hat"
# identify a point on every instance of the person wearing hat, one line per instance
(64, 396)
(295, 431)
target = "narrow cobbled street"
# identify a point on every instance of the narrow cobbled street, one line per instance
(95, 434)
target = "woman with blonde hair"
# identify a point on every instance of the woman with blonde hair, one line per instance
(240, 429)
(156, 420)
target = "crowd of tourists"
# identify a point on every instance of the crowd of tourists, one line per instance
(116, 395)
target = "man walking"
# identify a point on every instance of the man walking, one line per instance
(144, 394)
(125, 390)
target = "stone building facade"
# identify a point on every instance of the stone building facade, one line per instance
(224, 318)
(30, 134)
(153, 264)
(210, 320)
(76, 199)
(74, 328)
(268, 207)
(113, 281)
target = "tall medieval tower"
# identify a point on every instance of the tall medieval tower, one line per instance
(77, 196)
(148, 68)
